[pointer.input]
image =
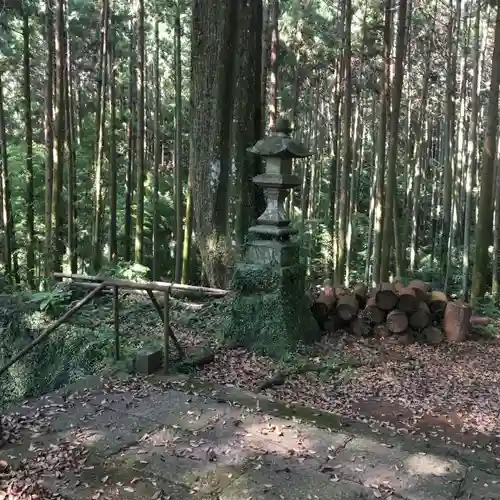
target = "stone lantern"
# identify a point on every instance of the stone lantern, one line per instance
(270, 311)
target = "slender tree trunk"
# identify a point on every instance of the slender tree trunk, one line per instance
(178, 145)
(141, 168)
(7, 217)
(391, 186)
(100, 124)
(30, 187)
(485, 216)
(472, 166)
(49, 140)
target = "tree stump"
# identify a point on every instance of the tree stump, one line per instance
(397, 321)
(421, 318)
(373, 313)
(421, 288)
(347, 307)
(408, 301)
(456, 321)
(385, 297)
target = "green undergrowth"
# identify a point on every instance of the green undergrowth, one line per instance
(85, 344)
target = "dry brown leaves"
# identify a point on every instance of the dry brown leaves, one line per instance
(22, 480)
(449, 392)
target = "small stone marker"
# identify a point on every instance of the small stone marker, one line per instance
(148, 361)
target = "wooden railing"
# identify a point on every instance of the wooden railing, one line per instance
(98, 284)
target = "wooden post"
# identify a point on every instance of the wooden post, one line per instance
(52, 327)
(157, 307)
(116, 321)
(166, 331)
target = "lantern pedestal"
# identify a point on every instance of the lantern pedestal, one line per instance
(270, 312)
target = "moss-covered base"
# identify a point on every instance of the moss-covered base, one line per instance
(270, 313)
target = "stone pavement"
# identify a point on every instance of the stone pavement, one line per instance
(173, 442)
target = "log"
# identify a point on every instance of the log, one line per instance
(385, 297)
(381, 331)
(421, 288)
(341, 291)
(360, 292)
(332, 323)
(347, 307)
(421, 318)
(373, 313)
(480, 321)
(437, 303)
(359, 328)
(408, 301)
(324, 305)
(398, 286)
(456, 321)
(432, 335)
(397, 321)
(407, 337)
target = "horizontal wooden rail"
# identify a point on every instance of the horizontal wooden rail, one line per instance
(160, 286)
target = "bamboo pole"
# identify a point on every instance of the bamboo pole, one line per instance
(51, 328)
(166, 331)
(161, 313)
(116, 321)
(153, 285)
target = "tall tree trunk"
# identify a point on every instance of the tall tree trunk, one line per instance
(141, 169)
(100, 124)
(391, 185)
(274, 14)
(157, 156)
(132, 142)
(113, 167)
(213, 46)
(178, 145)
(49, 140)
(472, 166)
(347, 149)
(71, 143)
(60, 138)
(30, 187)
(380, 163)
(7, 218)
(485, 215)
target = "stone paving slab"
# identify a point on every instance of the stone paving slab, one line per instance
(480, 485)
(413, 476)
(190, 446)
(276, 480)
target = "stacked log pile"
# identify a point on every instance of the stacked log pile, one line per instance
(413, 312)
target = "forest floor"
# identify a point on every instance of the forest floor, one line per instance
(444, 398)
(448, 393)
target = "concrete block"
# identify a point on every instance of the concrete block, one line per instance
(149, 361)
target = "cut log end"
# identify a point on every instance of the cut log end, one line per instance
(408, 301)
(433, 335)
(421, 288)
(397, 321)
(386, 297)
(421, 318)
(347, 307)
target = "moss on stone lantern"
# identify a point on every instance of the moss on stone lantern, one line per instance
(270, 312)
